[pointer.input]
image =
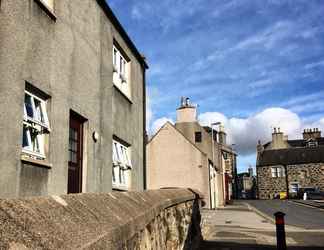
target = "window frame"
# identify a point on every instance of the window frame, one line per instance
(122, 166)
(277, 172)
(35, 127)
(198, 137)
(121, 71)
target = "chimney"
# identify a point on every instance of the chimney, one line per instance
(250, 169)
(186, 112)
(278, 139)
(221, 135)
(311, 134)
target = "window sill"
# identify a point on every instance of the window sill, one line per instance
(119, 188)
(123, 94)
(47, 10)
(39, 163)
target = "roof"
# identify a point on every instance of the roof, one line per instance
(170, 124)
(291, 156)
(302, 143)
(111, 16)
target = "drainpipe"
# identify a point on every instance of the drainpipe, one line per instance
(287, 185)
(144, 129)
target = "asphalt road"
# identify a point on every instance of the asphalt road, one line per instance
(296, 215)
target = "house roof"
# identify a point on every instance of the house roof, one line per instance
(111, 16)
(170, 124)
(291, 156)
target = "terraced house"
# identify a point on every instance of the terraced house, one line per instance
(286, 166)
(72, 100)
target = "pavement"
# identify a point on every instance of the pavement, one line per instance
(239, 227)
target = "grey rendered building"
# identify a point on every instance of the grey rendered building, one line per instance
(72, 100)
(289, 165)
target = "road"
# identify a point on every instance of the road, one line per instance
(296, 214)
(237, 227)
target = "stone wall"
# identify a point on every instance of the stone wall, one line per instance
(156, 219)
(305, 175)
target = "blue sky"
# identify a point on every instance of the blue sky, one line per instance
(251, 64)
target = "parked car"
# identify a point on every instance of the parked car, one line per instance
(312, 193)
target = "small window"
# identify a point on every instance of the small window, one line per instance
(277, 172)
(35, 126)
(121, 165)
(121, 74)
(198, 136)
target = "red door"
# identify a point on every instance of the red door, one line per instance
(75, 155)
(227, 179)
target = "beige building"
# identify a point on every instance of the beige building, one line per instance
(184, 155)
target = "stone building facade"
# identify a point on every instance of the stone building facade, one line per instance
(72, 100)
(288, 165)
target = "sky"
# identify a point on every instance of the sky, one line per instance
(252, 65)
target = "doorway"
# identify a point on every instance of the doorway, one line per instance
(75, 153)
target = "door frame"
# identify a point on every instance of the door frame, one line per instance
(81, 120)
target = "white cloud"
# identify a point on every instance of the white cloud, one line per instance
(158, 123)
(245, 132)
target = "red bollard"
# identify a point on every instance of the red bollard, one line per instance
(280, 228)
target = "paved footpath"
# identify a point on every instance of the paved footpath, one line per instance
(237, 227)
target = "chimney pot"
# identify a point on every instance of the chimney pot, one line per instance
(187, 101)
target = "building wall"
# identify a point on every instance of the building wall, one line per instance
(172, 161)
(306, 175)
(69, 59)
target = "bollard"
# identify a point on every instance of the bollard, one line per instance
(280, 228)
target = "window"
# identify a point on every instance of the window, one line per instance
(49, 4)
(121, 165)
(197, 136)
(294, 187)
(277, 172)
(121, 75)
(312, 143)
(35, 126)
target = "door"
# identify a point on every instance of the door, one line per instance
(75, 154)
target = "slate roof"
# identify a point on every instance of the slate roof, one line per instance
(302, 143)
(291, 156)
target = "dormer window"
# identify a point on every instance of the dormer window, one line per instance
(311, 143)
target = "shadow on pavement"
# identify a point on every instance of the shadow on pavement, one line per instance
(216, 245)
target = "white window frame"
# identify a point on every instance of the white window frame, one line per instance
(121, 68)
(36, 119)
(36, 125)
(277, 172)
(121, 166)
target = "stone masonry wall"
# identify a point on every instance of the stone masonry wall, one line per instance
(267, 185)
(306, 175)
(156, 219)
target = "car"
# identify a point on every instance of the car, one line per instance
(312, 193)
